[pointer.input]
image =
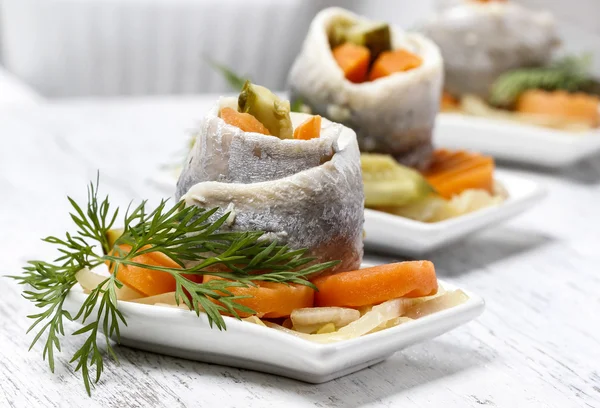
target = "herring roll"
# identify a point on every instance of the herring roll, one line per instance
(481, 40)
(304, 193)
(391, 100)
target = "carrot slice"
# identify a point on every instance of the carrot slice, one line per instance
(377, 284)
(390, 62)
(309, 129)
(244, 121)
(575, 106)
(448, 102)
(353, 60)
(270, 299)
(147, 281)
(452, 173)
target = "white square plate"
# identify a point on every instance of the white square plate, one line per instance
(399, 235)
(181, 333)
(515, 142)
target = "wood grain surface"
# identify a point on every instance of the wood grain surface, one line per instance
(536, 345)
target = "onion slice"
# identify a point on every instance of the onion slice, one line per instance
(446, 301)
(90, 280)
(164, 298)
(320, 316)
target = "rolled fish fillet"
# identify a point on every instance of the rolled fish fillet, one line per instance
(392, 115)
(480, 41)
(304, 193)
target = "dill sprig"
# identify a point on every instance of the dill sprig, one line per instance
(569, 74)
(190, 236)
(236, 82)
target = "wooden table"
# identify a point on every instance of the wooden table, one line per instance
(536, 345)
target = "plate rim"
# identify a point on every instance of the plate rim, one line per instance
(474, 306)
(561, 136)
(537, 193)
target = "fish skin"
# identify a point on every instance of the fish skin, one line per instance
(306, 197)
(392, 115)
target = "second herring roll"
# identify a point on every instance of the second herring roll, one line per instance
(304, 193)
(393, 108)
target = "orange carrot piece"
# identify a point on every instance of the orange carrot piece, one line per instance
(309, 129)
(448, 102)
(377, 284)
(353, 60)
(270, 299)
(147, 281)
(444, 160)
(452, 173)
(574, 106)
(244, 121)
(390, 62)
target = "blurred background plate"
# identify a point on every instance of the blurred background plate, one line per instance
(514, 141)
(402, 236)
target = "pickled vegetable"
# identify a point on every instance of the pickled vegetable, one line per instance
(90, 280)
(435, 209)
(265, 106)
(338, 32)
(328, 328)
(353, 60)
(309, 129)
(390, 62)
(373, 35)
(339, 316)
(387, 183)
(452, 172)
(373, 319)
(446, 301)
(243, 121)
(570, 106)
(112, 235)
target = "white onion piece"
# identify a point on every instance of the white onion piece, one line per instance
(372, 319)
(328, 328)
(446, 301)
(90, 280)
(308, 329)
(310, 316)
(392, 323)
(255, 320)
(164, 298)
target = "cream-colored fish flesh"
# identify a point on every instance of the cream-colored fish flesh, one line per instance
(307, 194)
(480, 41)
(393, 115)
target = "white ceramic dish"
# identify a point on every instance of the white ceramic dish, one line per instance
(253, 347)
(515, 142)
(391, 233)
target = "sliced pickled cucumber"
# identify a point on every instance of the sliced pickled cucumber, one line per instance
(265, 106)
(430, 209)
(373, 35)
(338, 32)
(388, 183)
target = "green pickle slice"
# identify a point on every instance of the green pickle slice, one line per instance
(265, 106)
(389, 184)
(373, 35)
